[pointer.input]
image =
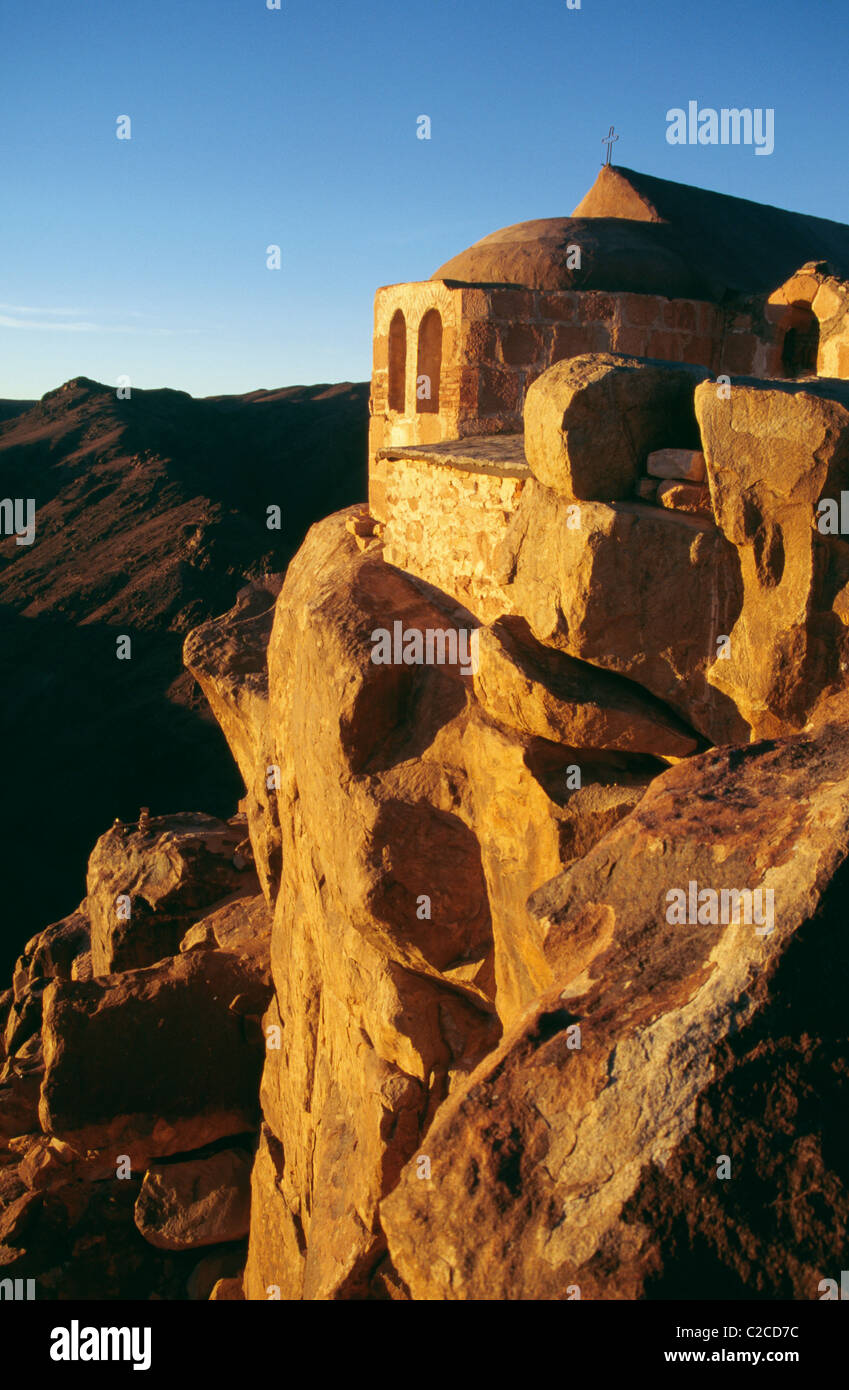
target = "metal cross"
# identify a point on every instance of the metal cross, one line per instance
(609, 140)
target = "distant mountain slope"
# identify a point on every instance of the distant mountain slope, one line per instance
(150, 515)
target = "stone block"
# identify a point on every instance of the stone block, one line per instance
(828, 303)
(698, 351)
(591, 421)
(646, 489)
(520, 344)
(664, 347)
(680, 314)
(499, 391)
(479, 342)
(629, 341)
(562, 308)
(594, 307)
(687, 464)
(513, 304)
(641, 309)
(738, 353)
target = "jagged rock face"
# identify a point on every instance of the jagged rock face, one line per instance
(227, 657)
(773, 450)
(147, 886)
(588, 1152)
(532, 814)
(632, 588)
(79, 1236)
(380, 1004)
(51, 954)
(20, 1088)
(739, 626)
(151, 515)
(151, 1062)
(242, 926)
(591, 421)
(414, 828)
(544, 693)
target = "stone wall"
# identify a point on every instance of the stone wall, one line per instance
(444, 524)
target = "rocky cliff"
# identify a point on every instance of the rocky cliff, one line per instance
(151, 513)
(518, 976)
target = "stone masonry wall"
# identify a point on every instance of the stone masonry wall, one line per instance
(444, 524)
(509, 337)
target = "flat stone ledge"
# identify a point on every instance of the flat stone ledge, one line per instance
(501, 455)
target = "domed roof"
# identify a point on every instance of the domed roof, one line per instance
(652, 236)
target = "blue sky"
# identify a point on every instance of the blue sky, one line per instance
(250, 126)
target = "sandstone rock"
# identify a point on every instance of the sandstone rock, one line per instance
(275, 1264)
(636, 589)
(17, 1216)
(50, 1162)
(79, 1236)
(196, 1201)
(7, 999)
(382, 938)
(52, 952)
(212, 1270)
(532, 814)
(164, 877)
(150, 1062)
(646, 489)
(585, 1152)
(242, 926)
(227, 657)
(24, 1018)
(688, 464)
(81, 967)
(685, 497)
(590, 421)
(227, 1291)
(545, 693)
(20, 1087)
(773, 451)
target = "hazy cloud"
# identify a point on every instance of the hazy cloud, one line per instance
(56, 321)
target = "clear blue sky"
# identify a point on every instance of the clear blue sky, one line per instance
(252, 126)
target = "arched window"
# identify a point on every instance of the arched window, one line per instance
(801, 342)
(429, 363)
(397, 362)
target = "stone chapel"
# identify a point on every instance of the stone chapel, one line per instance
(664, 271)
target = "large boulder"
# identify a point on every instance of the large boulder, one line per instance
(382, 939)
(774, 450)
(591, 421)
(197, 1201)
(153, 1061)
(633, 588)
(547, 694)
(537, 806)
(148, 885)
(667, 1120)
